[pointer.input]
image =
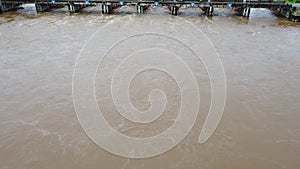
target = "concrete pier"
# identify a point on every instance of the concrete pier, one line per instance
(7, 6)
(285, 12)
(246, 12)
(140, 8)
(209, 11)
(41, 7)
(74, 7)
(106, 7)
(174, 9)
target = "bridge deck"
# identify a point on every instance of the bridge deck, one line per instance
(213, 2)
(251, 4)
(241, 6)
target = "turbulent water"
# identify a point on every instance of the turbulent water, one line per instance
(260, 125)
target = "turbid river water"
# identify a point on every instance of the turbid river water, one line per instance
(39, 127)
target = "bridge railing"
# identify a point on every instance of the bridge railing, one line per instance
(127, 1)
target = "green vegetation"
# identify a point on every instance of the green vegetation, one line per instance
(293, 1)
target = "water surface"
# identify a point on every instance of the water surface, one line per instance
(260, 126)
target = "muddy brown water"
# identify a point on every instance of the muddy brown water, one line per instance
(260, 126)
